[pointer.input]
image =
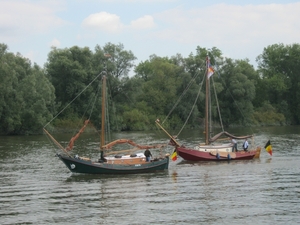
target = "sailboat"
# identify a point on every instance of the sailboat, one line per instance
(116, 164)
(210, 150)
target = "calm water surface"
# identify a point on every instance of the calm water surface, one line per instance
(36, 188)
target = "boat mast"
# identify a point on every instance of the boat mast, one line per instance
(206, 104)
(103, 111)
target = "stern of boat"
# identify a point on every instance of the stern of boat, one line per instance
(257, 154)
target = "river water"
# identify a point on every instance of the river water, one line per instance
(36, 188)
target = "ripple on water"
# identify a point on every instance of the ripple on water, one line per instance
(36, 188)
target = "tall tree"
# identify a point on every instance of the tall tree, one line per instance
(70, 71)
(161, 80)
(279, 66)
(117, 62)
(38, 97)
(238, 91)
(26, 95)
(120, 61)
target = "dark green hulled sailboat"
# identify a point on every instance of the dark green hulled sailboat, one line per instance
(119, 164)
(87, 166)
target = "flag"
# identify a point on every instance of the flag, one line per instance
(210, 70)
(268, 147)
(174, 155)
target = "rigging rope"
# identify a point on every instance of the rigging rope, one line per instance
(193, 106)
(218, 107)
(92, 103)
(74, 98)
(181, 96)
(224, 83)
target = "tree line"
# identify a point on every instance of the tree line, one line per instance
(30, 96)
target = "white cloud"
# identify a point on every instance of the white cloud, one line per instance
(54, 43)
(24, 18)
(103, 21)
(217, 20)
(232, 28)
(144, 22)
(131, 1)
(239, 31)
(111, 23)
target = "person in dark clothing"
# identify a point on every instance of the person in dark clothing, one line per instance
(234, 145)
(102, 159)
(148, 155)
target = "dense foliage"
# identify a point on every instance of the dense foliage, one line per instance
(27, 99)
(31, 96)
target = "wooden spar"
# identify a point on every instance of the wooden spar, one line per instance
(103, 112)
(224, 139)
(130, 142)
(206, 105)
(73, 139)
(127, 150)
(170, 136)
(136, 149)
(56, 142)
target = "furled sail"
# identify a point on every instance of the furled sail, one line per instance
(74, 138)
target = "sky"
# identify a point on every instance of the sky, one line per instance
(241, 29)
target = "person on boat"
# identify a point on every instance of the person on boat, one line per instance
(245, 145)
(102, 159)
(234, 146)
(148, 155)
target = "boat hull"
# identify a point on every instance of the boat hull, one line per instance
(196, 155)
(83, 166)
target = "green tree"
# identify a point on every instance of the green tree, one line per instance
(196, 66)
(267, 115)
(160, 84)
(238, 92)
(26, 95)
(38, 101)
(117, 62)
(70, 71)
(10, 98)
(279, 67)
